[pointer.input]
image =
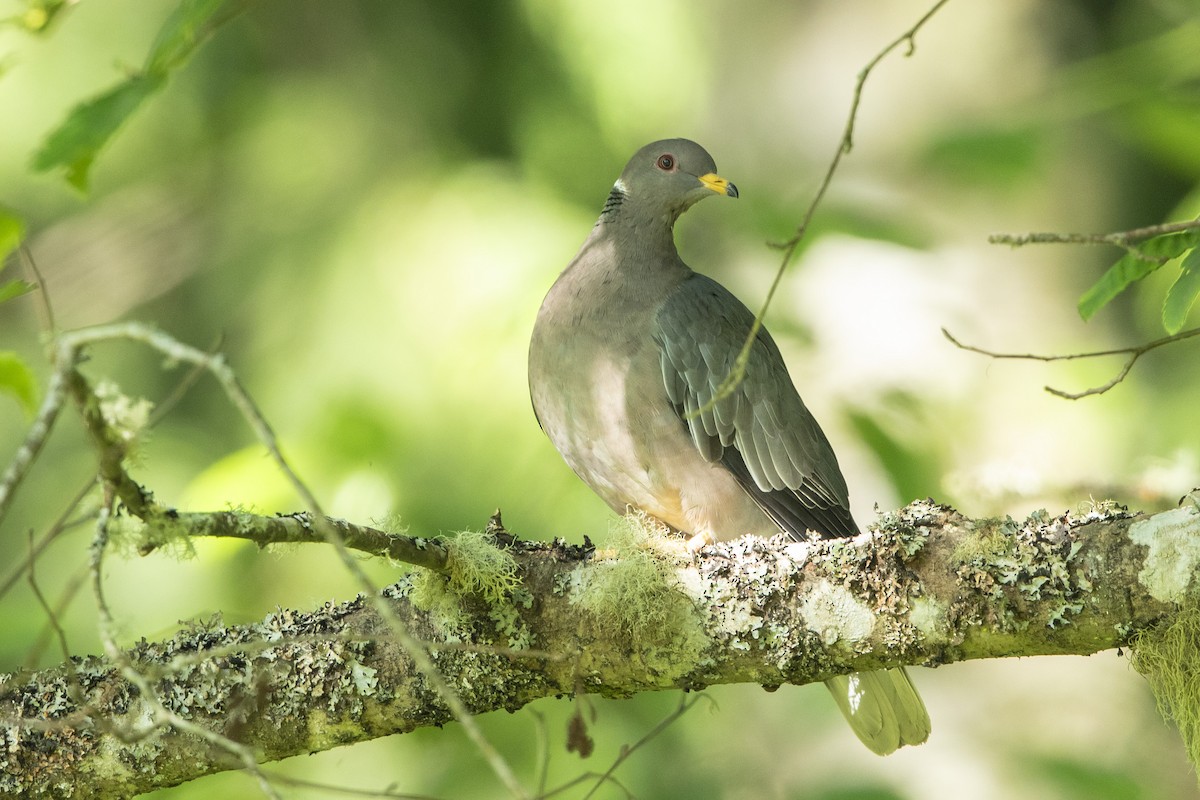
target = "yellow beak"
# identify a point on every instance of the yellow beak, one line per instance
(718, 184)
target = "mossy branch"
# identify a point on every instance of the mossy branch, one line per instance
(925, 587)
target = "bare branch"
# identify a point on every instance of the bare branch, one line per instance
(299, 528)
(1124, 239)
(1134, 354)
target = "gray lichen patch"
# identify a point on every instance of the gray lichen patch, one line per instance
(264, 682)
(732, 613)
(907, 530)
(1025, 574)
(883, 573)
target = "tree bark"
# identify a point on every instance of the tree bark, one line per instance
(926, 586)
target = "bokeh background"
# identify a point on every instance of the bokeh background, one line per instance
(364, 203)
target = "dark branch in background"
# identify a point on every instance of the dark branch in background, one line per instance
(927, 587)
(1134, 354)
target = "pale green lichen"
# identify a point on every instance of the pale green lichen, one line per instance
(562, 584)
(636, 591)
(899, 530)
(1169, 657)
(365, 680)
(130, 537)
(510, 625)
(125, 417)
(1173, 539)
(929, 617)
(731, 612)
(1015, 566)
(476, 568)
(835, 614)
(991, 540)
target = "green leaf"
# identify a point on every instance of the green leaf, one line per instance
(17, 380)
(1172, 245)
(1182, 294)
(1132, 267)
(89, 126)
(75, 144)
(12, 231)
(15, 288)
(1129, 268)
(186, 29)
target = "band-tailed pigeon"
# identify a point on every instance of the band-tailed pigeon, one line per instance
(630, 342)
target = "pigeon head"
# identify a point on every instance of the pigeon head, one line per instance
(667, 177)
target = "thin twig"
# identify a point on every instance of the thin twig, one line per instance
(295, 528)
(35, 439)
(65, 598)
(327, 789)
(63, 523)
(60, 526)
(51, 613)
(789, 247)
(1134, 354)
(168, 403)
(1120, 239)
(686, 702)
(46, 311)
(542, 750)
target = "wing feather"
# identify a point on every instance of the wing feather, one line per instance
(762, 433)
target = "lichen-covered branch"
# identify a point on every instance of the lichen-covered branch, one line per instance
(166, 525)
(927, 587)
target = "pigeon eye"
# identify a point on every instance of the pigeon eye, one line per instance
(666, 162)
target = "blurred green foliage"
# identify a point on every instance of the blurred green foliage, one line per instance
(363, 203)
